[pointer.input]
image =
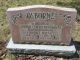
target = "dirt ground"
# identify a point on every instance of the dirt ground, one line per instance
(32, 57)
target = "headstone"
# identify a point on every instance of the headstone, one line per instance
(41, 23)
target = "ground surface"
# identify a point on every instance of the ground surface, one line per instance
(5, 32)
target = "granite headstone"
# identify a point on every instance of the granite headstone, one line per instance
(41, 23)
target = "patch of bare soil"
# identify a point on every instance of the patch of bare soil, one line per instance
(32, 57)
(3, 50)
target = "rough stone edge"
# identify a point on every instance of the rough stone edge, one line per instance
(42, 6)
(43, 51)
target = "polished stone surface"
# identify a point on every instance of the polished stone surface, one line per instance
(42, 23)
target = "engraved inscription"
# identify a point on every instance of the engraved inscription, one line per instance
(40, 32)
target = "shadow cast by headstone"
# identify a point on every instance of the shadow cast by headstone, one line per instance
(76, 55)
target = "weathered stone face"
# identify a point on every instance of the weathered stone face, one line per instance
(41, 23)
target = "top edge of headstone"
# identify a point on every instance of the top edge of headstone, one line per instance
(41, 6)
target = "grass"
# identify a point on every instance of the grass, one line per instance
(5, 4)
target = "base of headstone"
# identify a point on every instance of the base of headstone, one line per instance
(33, 49)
